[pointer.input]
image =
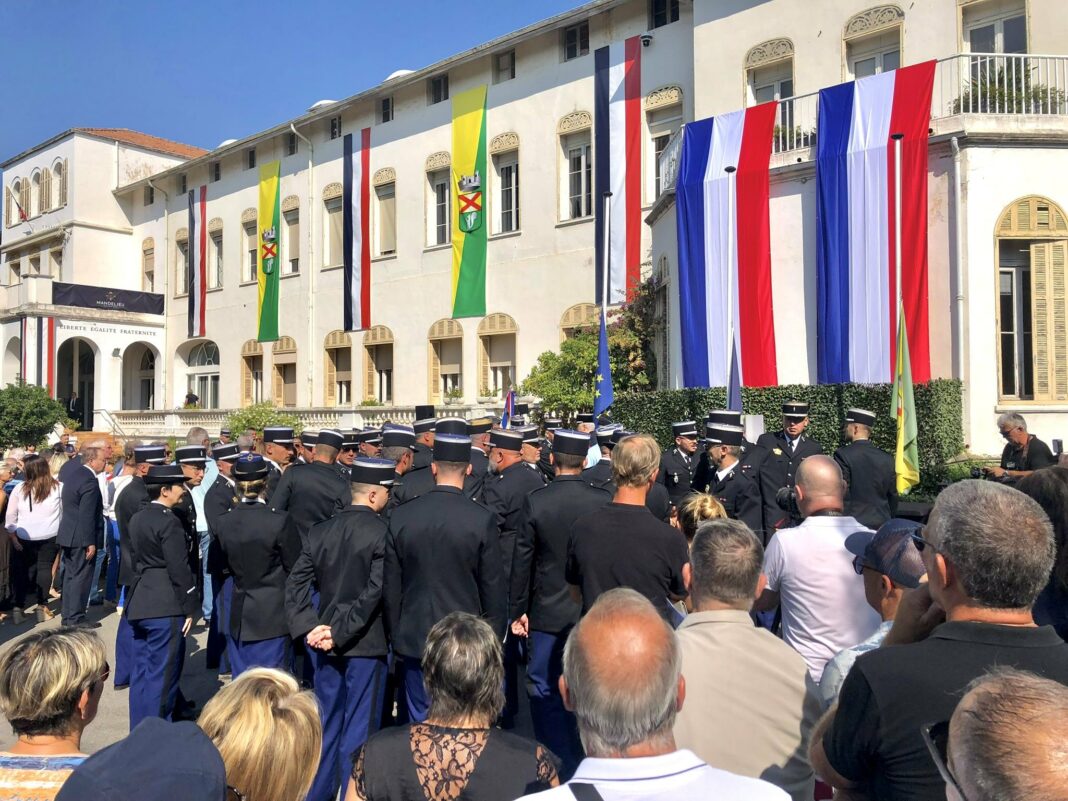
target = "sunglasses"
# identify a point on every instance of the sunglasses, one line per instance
(936, 738)
(859, 565)
(922, 544)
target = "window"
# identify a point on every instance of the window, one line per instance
(250, 159)
(576, 40)
(14, 276)
(252, 373)
(578, 184)
(496, 355)
(34, 207)
(249, 271)
(663, 12)
(507, 166)
(439, 223)
(291, 144)
(995, 27)
(35, 265)
(1032, 264)
(55, 264)
(215, 170)
(181, 268)
(437, 89)
(385, 109)
(59, 175)
(291, 265)
(504, 66)
(150, 195)
(215, 261)
(148, 269)
(663, 123)
(335, 242)
(445, 380)
(284, 357)
(202, 376)
(337, 383)
(386, 217)
(335, 127)
(875, 54)
(183, 184)
(378, 364)
(46, 199)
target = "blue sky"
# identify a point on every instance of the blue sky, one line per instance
(201, 72)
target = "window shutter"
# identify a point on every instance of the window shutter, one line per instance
(483, 364)
(278, 385)
(1049, 311)
(369, 390)
(63, 184)
(246, 381)
(24, 201)
(330, 379)
(435, 372)
(1057, 266)
(45, 200)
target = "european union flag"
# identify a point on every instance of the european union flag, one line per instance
(603, 395)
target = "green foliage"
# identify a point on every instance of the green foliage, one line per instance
(938, 409)
(370, 402)
(564, 380)
(260, 415)
(999, 91)
(27, 414)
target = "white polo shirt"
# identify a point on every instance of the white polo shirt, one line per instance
(672, 777)
(820, 594)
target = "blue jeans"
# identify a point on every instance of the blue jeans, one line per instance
(111, 579)
(208, 594)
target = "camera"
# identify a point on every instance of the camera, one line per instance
(786, 499)
(647, 39)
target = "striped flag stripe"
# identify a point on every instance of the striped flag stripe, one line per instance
(617, 146)
(357, 244)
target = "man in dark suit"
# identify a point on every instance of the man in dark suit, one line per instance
(81, 533)
(870, 474)
(442, 553)
(781, 452)
(678, 464)
(76, 408)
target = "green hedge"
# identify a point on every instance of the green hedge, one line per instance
(938, 409)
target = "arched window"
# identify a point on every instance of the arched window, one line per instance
(579, 316)
(873, 41)
(148, 265)
(251, 372)
(1032, 263)
(378, 364)
(337, 378)
(446, 343)
(46, 199)
(284, 357)
(60, 174)
(202, 373)
(35, 194)
(496, 355)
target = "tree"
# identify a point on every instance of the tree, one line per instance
(27, 414)
(260, 415)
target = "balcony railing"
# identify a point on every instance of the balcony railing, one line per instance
(965, 83)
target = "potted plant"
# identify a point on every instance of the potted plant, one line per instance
(486, 395)
(454, 397)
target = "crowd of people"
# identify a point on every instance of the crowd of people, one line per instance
(721, 619)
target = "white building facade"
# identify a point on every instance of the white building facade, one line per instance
(702, 58)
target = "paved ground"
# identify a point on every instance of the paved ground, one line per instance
(113, 719)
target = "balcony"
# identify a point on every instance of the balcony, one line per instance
(1015, 88)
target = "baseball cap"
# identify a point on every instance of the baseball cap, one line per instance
(890, 551)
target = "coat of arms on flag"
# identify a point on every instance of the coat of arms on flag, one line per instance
(469, 196)
(270, 249)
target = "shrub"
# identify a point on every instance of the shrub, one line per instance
(27, 414)
(260, 415)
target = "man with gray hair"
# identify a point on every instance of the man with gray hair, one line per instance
(1023, 454)
(750, 703)
(623, 680)
(1007, 739)
(988, 551)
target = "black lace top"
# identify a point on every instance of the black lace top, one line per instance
(422, 762)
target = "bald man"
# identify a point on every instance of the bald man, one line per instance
(1007, 739)
(623, 648)
(810, 573)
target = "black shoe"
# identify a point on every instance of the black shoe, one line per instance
(89, 624)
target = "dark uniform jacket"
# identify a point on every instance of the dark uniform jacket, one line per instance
(544, 464)
(311, 493)
(260, 546)
(218, 500)
(479, 462)
(82, 523)
(740, 497)
(345, 558)
(274, 475)
(505, 494)
(186, 512)
(539, 588)
(163, 584)
(777, 469)
(676, 473)
(132, 499)
(419, 482)
(871, 494)
(749, 456)
(422, 457)
(658, 501)
(442, 556)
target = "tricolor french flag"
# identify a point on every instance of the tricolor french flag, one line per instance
(197, 260)
(855, 172)
(722, 199)
(356, 204)
(617, 127)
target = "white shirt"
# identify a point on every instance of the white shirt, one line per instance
(726, 471)
(677, 776)
(32, 520)
(821, 595)
(119, 484)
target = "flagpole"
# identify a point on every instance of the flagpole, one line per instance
(730, 170)
(607, 246)
(897, 137)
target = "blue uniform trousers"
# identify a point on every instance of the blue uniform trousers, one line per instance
(111, 545)
(159, 653)
(277, 652)
(415, 697)
(217, 627)
(350, 691)
(124, 652)
(554, 726)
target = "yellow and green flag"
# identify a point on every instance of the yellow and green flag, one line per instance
(468, 216)
(907, 453)
(268, 260)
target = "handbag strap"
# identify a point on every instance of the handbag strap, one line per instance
(584, 792)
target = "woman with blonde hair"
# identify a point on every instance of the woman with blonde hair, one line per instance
(695, 509)
(50, 687)
(268, 732)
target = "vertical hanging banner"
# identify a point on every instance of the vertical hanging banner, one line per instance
(468, 223)
(268, 260)
(196, 259)
(617, 122)
(356, 192)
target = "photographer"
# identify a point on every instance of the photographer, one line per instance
(1024, 453)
